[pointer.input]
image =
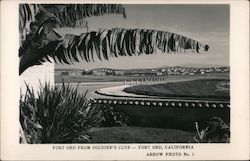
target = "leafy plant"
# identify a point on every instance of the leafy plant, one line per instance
(216, 131)
(56, 115)
(112, 117)
(40, 40)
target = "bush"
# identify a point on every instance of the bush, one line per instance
(216, 131)
(56, 115)
(112, 117)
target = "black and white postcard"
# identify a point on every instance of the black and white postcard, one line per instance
(125, 81)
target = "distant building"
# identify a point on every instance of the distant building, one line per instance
(102, 71)
(99, 73)
(119, 72)
(159, 73)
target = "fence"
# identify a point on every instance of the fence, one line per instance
(161, 79)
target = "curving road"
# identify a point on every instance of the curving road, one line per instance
(118, 93)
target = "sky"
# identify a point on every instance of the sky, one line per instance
(208, 24)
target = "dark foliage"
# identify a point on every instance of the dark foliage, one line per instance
(56, 115)
(113, 117)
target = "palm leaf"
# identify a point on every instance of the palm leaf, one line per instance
(110, 43)
(43, 41)
(34, 19)
(27, 14)
(71, 15)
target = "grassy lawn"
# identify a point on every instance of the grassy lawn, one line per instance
(210, 88)
(131, 134)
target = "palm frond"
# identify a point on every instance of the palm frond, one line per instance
(105, 44)
(33, 16)
(41, 41)
(27, 14)
(73, 15)
(70, 15)
(122, 42)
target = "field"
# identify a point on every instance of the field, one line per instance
(201, 88)
(110, 78)
(134, 134)
(92, 86)
(91, 78)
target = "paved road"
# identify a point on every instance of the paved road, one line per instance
(118, 93)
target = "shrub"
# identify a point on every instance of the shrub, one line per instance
(56, 115)
(216, 131)
(112, 116)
